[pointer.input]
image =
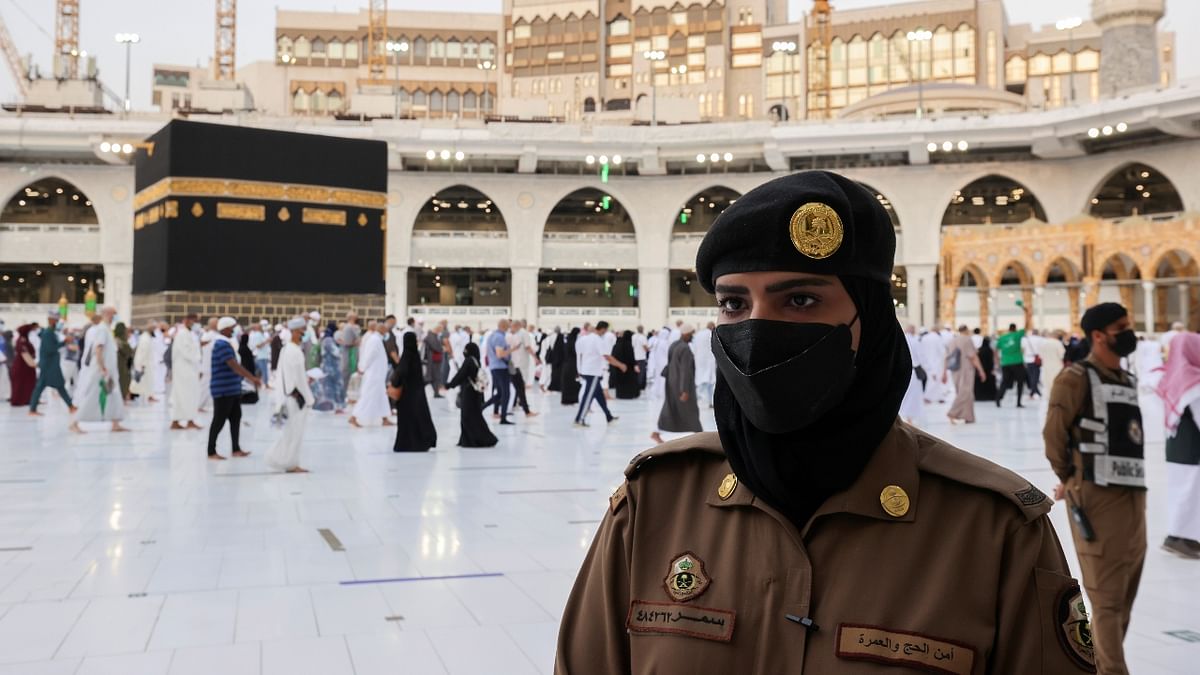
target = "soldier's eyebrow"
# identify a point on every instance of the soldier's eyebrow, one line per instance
(799, 282)
(733, 290)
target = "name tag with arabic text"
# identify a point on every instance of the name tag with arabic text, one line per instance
(881, 645)
(675, 619)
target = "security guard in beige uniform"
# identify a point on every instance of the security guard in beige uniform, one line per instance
(1094, 437)
(814, 533)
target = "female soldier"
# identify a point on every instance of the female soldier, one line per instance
(814, 532)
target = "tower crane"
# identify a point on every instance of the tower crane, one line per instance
(15, 64)
(376, 39)
(820, 39)
(225, 57)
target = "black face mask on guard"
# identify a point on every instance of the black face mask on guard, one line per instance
(785, 375)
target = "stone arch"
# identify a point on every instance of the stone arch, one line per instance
(459, 207)
(698, 212)
(618, 197)
(993, 199)
(1174, 263)
(885, 203)
(1134, 188)
(1119, 267)
(972, 272)
(1061, 267)
(49, 199)
(1013, 273)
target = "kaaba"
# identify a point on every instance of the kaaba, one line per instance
(222, 209)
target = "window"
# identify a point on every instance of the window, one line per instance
(1061, 62)
(747, 60)
(660, 42)
(678, 18)
(991, 59)
(303, 47)
(437, 49)
(334, 102)
(300, 101)
(318, 101)
(285, 46)
(705, 105)
(420, 51)
(555, 55)
(943, 53)
(622, 51)
(418, 99)
(318, 46)
(351, 49)
(857, 61)
(695, 61)
(336, 51)
(470, 101)
(1087, 59)
(1014, 70)
(1039, 65)
(470, 49)
(619, 27)
(746, 41)
(487, 51)
(454, 51)
(620, 70)
(522, 31)
(436, 101)
(695, 76)
(452, 102)
(964, 51)
(746, 105)
(695, 42)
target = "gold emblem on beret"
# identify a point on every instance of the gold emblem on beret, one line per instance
(894, 500)
(816, 230)
(727, 486)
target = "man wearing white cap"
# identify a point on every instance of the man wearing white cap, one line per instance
(680, 414)
(145, 368)
(225, 385)
(260, 344)
(297, 399)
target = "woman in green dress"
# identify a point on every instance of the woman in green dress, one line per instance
(124, 358)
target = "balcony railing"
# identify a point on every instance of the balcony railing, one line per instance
(460, 234)
(85, 228)
(591, 236)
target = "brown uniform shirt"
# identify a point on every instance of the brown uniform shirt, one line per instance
(691, 573)
(1068, 396)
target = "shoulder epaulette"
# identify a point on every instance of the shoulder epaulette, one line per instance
(939, 457)
(707, 442)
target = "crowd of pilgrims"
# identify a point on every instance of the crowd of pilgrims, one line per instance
(967, 366)
(371, 372)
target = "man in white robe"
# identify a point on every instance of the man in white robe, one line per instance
(97, 391)
(660, 347)
(292, 381)
(706, 363)
(913, 406)
(373, 364)
(145, 368)
(932, 357)
(159, 356)
(185, 376)
(206, 346)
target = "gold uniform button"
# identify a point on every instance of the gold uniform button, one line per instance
(894, 500)
(728, 485)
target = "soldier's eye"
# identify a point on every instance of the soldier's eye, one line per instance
(802, 300)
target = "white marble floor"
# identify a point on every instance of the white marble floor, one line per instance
(132, 554)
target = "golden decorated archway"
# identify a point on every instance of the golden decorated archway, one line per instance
(1150, 266)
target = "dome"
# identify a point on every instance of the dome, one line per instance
(939, 99)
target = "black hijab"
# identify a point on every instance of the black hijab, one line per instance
(796, 472)
(623, 349)
(409, 371)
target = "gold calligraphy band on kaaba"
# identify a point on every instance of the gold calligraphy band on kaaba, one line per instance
(267, 190)
(323, 216)
(238, 211)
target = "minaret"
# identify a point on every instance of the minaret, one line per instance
(1128, 43)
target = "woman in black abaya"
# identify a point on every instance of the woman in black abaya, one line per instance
(624, 381)
(986, 390)
(554, 357)
(474, 431)
(570, 371)
(414, 425)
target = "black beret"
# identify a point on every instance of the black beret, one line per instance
(1101, 316)
(813, 221)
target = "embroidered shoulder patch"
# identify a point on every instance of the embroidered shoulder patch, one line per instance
(1075, 631)
(895, 647)
(664, 617)
(686, 579)
(1030, 496)
(618, 498)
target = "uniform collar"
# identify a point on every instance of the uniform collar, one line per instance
(894, 463)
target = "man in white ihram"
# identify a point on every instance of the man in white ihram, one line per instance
(297, 401)
(185, 376)
(97, 392)
(373, 364)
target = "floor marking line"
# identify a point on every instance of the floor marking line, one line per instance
(484, 468)
(359, 582)
(582, 522)
(546, 491)
(331, 539)
(17, 481)
(11, 549)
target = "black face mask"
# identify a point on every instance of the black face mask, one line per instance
(785, 375)
(1123, 343)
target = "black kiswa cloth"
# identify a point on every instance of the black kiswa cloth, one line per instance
(797, 471)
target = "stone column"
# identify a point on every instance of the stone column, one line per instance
(118, 289)
(985, 310)
(1185, 301)
(524, 293)
(654, 295)
(396, 291)
(993, 322)
(1090, 291)
(1074, 298)
(949, 308)
(1148, 304)
(1039, 305)
(925, 279)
